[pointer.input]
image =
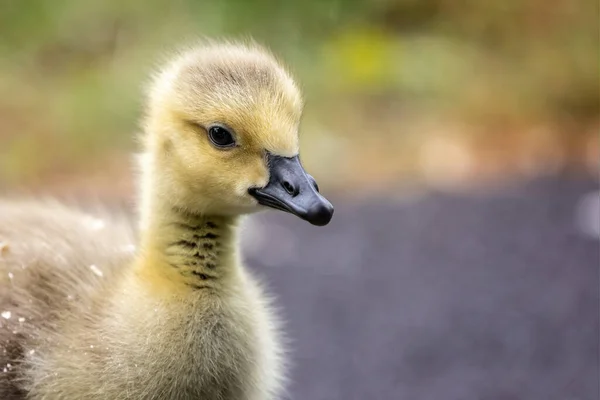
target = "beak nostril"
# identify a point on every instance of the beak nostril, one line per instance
(313, 183)
(289, 188)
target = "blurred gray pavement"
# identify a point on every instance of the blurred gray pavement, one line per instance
(487, 296)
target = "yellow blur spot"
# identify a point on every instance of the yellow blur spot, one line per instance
(361, 57)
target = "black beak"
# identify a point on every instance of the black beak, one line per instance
(292, 190)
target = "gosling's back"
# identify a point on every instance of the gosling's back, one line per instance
(54, 261)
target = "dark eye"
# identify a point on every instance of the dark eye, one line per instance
(220, 136)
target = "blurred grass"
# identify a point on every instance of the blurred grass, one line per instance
(396, 89)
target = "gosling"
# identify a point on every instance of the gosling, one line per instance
(85, 316)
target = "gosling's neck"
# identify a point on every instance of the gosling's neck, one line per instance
(183, 249)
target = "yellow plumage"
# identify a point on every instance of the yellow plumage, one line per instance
(180, 317)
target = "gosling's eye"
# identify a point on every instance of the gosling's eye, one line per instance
(221, 137)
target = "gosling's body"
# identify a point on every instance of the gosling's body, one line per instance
(84, 325)
(179, 318)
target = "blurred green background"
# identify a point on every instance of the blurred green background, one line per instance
(433, 92)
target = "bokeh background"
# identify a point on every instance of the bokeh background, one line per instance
(459, 141)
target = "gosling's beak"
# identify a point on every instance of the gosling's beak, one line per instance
(291, 189)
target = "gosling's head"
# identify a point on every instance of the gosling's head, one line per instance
(222, 133)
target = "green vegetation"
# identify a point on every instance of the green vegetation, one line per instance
(376, 73)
